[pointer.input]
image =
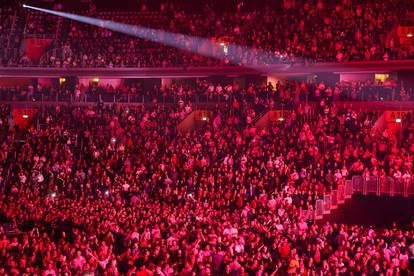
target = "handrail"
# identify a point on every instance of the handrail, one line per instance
(258, 116)
(364, 185)
(338, 67)
(110, 98)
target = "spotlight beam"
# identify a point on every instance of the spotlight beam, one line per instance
(233, 53)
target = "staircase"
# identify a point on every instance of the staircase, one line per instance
(372, 210)
(258, 117)
(330, 202)
(14, 38)
(372, 186)
(187, 124)
(7, 164)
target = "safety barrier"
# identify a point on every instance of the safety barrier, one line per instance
(396, 186)
(319, 209)
(341, 194)
(386, 185)
(334, 199)
(357, 184)
(410, 187)
(368, 185)
(348, 189)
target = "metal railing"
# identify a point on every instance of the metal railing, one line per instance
(374, 185)
(331, 201)
(369, 185)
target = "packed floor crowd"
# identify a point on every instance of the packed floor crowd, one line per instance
(107, 189)
(118, 191)
(307, 32)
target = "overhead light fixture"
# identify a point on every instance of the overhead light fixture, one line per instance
(409, 35)
(25, 116)
(398, 120)
(95, 79)
(281, 119)
(222, 44)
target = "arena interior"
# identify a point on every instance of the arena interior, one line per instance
(208, 137)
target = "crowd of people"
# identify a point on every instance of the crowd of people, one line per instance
(260, 94)
(110, 190)
(307, 32)
(110, 180)
(6, 41)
